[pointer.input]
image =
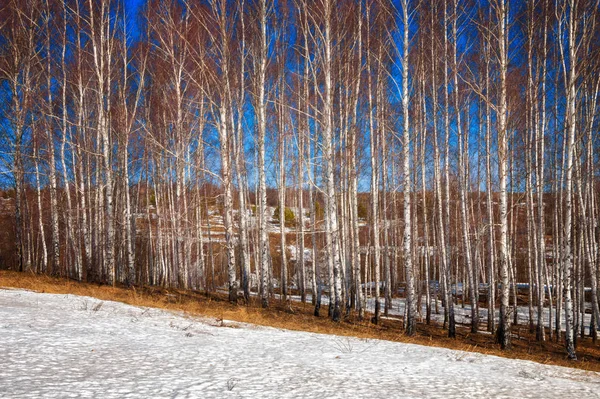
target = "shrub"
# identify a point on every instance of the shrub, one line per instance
(319, 211)
(362, 210)
(290, 218)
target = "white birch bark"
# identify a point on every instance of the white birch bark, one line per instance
(282, 189)
(504, 330)
(301, 266)
(57, 266)
(263, 242)
(570, 129)
(411, 304)
(425, 216)
(40, 211)
(225, 132)
(445, 217)
(540, 164)
(240, 165)
(80, 106)
(374, 154)
(463, 155)
(71, 238)
(491, 319)
(332, 233)
(355, 247)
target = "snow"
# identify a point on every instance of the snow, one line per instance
(72, 346)
(295, 252)
(462, 315)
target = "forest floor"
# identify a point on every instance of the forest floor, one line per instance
(299, 317)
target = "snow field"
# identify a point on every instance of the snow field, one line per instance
(58, 346)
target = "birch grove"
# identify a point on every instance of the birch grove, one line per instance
(375, 153)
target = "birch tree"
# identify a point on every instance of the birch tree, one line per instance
(406, 139)
(501, 15)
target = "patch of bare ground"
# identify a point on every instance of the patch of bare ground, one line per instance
(299, 317)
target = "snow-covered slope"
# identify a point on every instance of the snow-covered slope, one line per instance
(68, 346)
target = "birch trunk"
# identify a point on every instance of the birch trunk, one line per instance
(374, 146)
(332, 233)
(57, 266)
(225, 132)
(570, 126)
(355, 247)
(491, 319)
(263, 241)
(40, 213)
(504, 330)
(445, 217)
(540, 164)
(463, 140)
(411, 304)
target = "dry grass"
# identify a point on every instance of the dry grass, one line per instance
(297, 316)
